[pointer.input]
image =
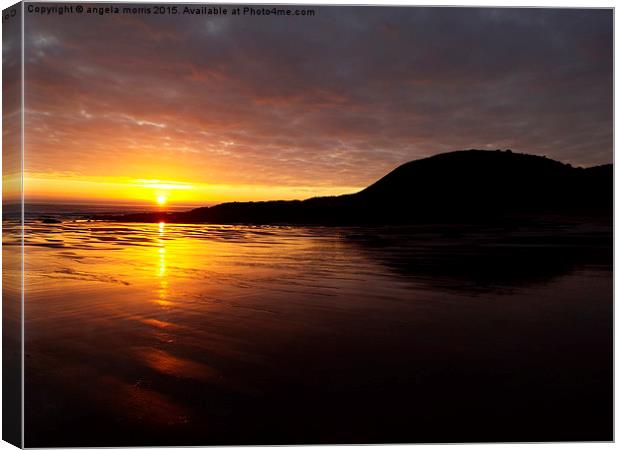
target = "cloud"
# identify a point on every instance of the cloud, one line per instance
(335, 99)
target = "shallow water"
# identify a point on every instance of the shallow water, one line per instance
(203, 334)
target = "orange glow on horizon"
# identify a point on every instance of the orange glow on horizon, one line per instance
(53, 187)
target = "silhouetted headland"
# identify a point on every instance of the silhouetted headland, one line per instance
(462, 186)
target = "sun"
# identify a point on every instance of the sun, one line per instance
(161, 200)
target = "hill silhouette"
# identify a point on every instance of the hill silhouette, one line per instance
(461, 186)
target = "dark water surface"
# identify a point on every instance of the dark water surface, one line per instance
(165, 334)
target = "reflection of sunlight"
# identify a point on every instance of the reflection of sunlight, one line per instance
(169, 364)
(157, 323)
(162, 293)
(161, 267)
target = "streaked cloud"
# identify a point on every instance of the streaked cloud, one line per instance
(330, 102)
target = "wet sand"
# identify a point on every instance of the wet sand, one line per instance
(155, 334)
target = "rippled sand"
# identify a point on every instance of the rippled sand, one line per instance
(202, 334)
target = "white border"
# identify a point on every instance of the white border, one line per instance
(497, 3)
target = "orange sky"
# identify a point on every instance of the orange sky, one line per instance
(75, 188)
(209, 109)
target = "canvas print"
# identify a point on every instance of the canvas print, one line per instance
(306, 224)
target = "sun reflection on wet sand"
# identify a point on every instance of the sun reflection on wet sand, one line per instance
(162, 292)
(237, 326)
(158, 323)
(169, 364)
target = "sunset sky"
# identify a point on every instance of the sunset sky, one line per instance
(202, 109)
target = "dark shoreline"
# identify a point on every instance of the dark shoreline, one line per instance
(469, 186)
